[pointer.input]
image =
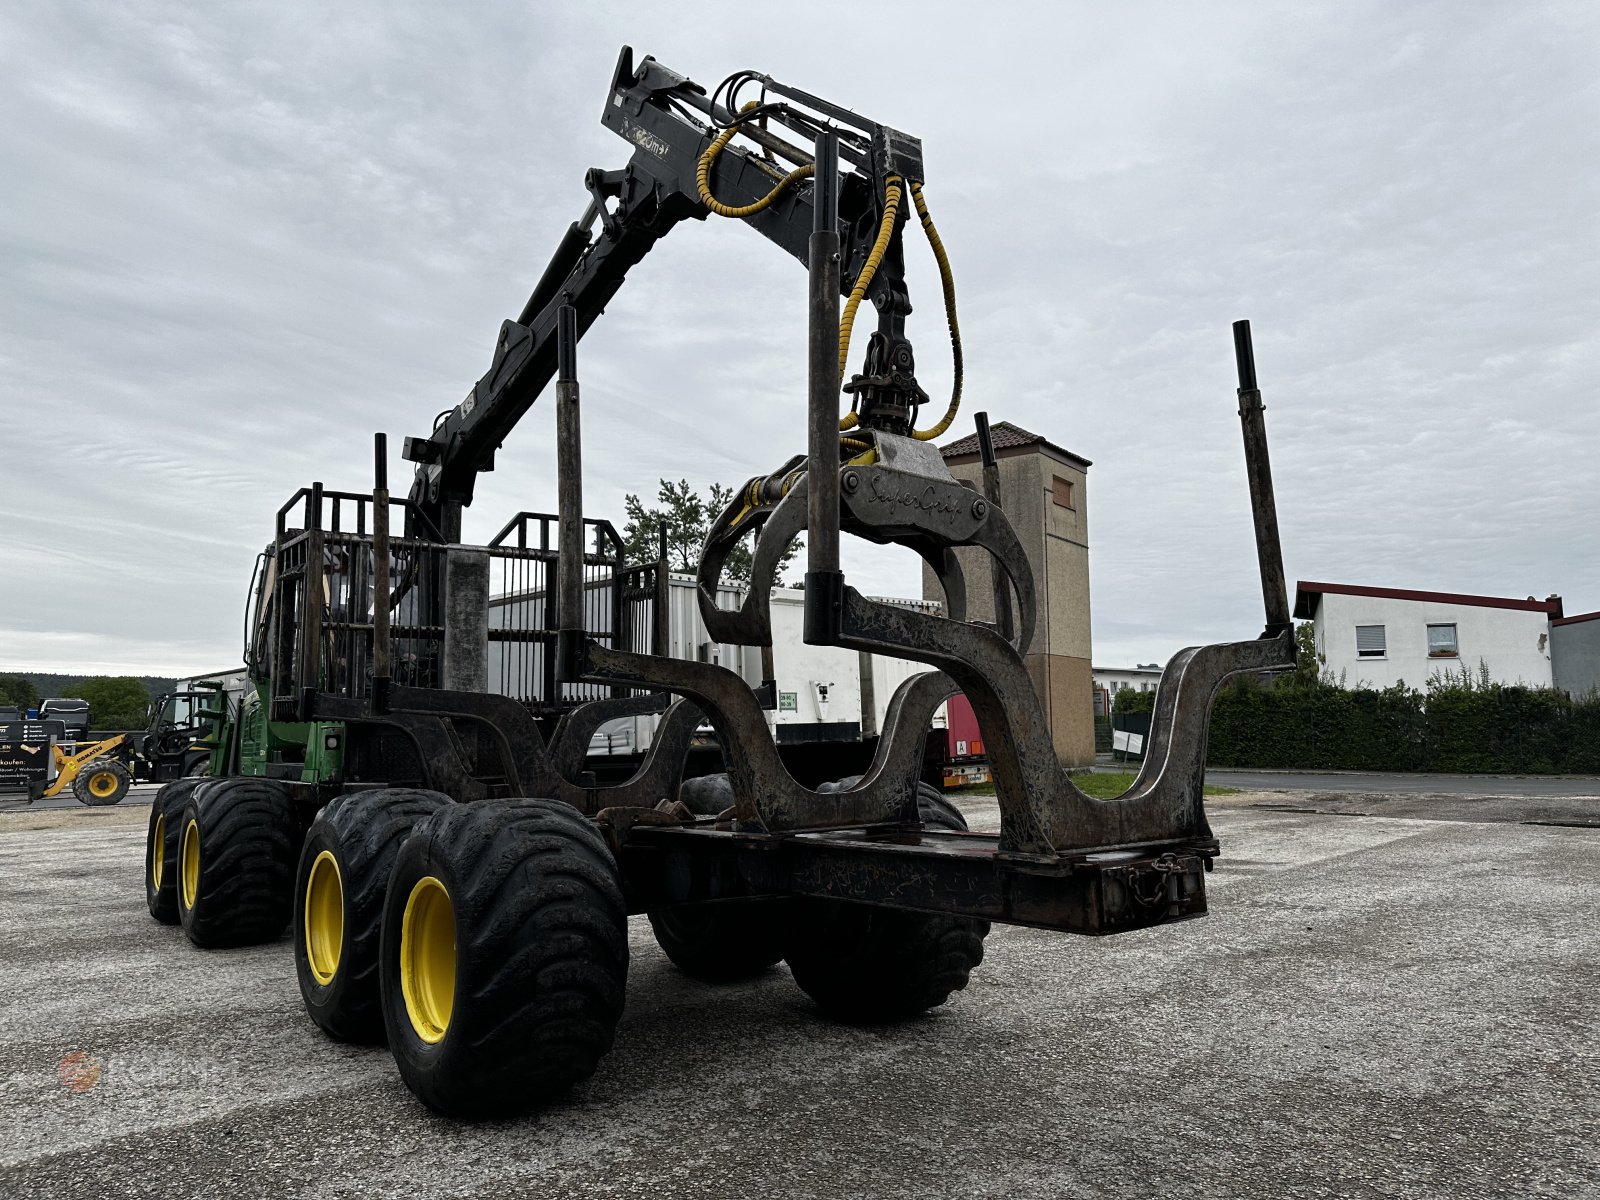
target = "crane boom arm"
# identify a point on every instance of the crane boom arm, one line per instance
(670, 121)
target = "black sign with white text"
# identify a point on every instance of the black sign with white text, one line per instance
(22, 764)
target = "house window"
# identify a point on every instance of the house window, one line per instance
(1061, 492)
(1442, 641)
(1370, 642)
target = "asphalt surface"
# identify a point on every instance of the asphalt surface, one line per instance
(1374, 1007)
(1355, 782)
(1397, 783)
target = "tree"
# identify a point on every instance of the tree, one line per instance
(686, 517)
(115, 701)
(1308, 663)
(19, 692)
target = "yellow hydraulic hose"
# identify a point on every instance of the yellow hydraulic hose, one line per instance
(892, 194)
(948, 282)
(702, 177)
(863, 454)
(880, 247)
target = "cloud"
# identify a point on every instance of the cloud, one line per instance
(238, 241)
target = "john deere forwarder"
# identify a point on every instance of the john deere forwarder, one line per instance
(405, 785)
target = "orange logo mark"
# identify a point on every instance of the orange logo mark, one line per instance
(79, 1071)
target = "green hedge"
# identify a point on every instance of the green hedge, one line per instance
(1458, 724)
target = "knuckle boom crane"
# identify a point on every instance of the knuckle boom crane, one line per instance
(683, 168)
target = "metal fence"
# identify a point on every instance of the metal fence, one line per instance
(620, 606)
(319, 622)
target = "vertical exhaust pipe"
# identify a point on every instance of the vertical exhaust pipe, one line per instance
(1258, 466)
(381, 668)
(569, 502)
(991, 492)
(824, 580)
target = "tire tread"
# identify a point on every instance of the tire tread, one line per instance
(249, 837)
(541, 979)
(366, 830)
(168, 803)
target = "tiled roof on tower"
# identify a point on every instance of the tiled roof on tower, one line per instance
(1007, 436)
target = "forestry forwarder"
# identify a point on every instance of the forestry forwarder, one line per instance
(405, 786)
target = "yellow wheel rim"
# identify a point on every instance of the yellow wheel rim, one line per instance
(189, 864)
(324, 918)
(428, 958)
(158, 851)
(102, 784)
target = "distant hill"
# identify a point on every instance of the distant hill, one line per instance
(55, 685)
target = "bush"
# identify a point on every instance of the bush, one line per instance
(1461, 722)
(1129, 701)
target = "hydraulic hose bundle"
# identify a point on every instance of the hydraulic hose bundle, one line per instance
(894, 190)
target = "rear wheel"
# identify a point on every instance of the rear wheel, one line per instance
(345, 864)
(504, 955)
(722, 942)
(728, 940)
(104, 781)
(161, 849)
(236, 859)
(864, 963)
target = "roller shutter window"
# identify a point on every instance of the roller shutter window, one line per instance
(1371, 642)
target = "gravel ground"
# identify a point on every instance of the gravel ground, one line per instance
(1376, 1006)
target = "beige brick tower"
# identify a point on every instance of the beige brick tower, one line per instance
(1045, 495)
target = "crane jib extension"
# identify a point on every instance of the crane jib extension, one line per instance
(684, 167)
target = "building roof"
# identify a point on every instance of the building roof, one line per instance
(1594, 616)
(1306, 596)
(1007, 436)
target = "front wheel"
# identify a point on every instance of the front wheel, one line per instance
(236, 856)
(104, 781)
(161, 849)
(504, 955)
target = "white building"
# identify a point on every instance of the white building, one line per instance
(1575, 654)
(1376, 637)
(1108, 681)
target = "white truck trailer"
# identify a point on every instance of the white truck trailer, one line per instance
(825, 694)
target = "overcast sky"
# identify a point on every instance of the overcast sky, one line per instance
(237, 239)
